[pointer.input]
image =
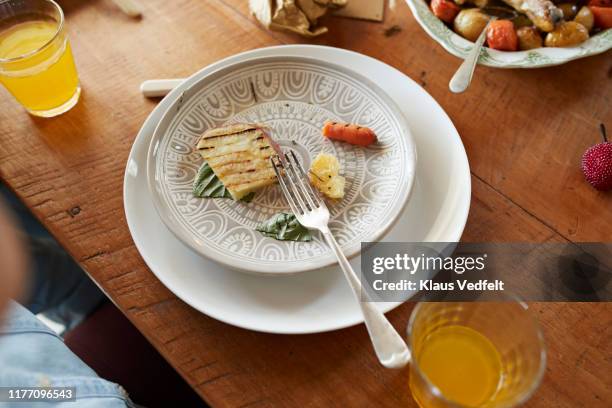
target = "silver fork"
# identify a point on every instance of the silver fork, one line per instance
(311, 211)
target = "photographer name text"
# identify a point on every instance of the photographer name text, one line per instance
(431, 285)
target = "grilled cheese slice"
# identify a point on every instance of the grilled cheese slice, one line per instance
(240, 157)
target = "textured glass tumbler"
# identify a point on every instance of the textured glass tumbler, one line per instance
(503, 338)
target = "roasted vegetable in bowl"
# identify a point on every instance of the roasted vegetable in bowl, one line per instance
(525, 24)
(529, 38)
(502, 36)
(566, 34)
(469, 23)
(585, 17)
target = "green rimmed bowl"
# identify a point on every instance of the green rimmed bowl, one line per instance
(537, 58)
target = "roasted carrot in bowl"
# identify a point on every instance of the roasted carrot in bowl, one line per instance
(602, 16)
(445, 10)
(502, 36)
(600, 3)
(349, 133)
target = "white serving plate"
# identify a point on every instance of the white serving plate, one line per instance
(320, 300)
(537, 58)
(294, 97)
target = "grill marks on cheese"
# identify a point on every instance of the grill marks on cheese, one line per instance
(240, 157)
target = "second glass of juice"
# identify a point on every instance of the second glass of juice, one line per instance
(36, 63)
(474, 354)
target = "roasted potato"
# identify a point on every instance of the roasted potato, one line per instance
(469, 23)
(566, 34)
(585, 17)
(529, 38)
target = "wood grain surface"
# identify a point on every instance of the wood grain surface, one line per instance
(524, 131)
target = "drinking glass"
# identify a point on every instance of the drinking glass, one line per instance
(36, 63)
(474, 354)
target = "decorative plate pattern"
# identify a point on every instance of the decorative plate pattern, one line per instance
(294, 96)
(540, 57)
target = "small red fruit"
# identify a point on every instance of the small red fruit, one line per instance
(597, 164)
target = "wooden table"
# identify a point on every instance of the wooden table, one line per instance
(524, 131)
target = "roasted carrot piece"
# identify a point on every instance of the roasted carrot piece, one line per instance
(600, 3)
(349, 133)
(602, 16)
(501, 35)
(445, 10)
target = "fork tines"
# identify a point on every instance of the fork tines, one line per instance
(295, 184)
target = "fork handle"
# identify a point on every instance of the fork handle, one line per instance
(389, 346)
(154, 88)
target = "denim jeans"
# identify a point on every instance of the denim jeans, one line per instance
(33, 355)
(57, 287)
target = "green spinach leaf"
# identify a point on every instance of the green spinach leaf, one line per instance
(248, 198)
(208, 185)
(285, 227)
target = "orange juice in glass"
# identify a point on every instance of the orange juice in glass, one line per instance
(474, 354)
(36, 63)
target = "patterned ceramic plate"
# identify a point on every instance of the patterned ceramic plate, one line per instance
(294, 96)
(537, 58)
